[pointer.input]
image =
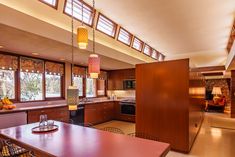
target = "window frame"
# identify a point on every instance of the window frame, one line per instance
(157, 54)
(16, 88)
(115, 26)
(96, 91)
(105, 88)
(142, 44)
(162, 56)
(62, 86)
(84, 84)
(83, 81)
(150, 49)
(130, 36)
(87, 5)
(17, 80)
(55, 7)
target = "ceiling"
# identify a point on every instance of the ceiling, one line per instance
(198, 30)
(180, 29)
(50, 49)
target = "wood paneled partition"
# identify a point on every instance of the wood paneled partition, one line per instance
(233, 94)
(163, 104)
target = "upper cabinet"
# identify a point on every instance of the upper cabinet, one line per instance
(116, 78)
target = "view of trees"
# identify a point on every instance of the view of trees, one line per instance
(90, 87)
(7, 84)
(78, 82)
(53, 85)
(31, 86)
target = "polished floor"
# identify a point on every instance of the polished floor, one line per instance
(215, 139)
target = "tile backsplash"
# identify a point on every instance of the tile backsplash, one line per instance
(122, 93)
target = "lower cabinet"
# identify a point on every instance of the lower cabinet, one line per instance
(99, 112)
(57, 113)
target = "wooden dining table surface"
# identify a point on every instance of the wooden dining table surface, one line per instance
(77, 141)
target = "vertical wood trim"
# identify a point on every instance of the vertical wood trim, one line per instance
(232, 93)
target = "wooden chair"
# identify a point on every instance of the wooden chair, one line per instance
(9, 149)
(113, 130)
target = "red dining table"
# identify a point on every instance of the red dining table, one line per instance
(77, 141)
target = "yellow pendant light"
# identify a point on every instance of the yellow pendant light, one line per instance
(82, 34)
(82, 37)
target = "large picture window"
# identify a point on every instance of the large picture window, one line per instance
(31, 86)
(90, 87)
(54, 73)
(31, 79)
(8, 65)
(78, 82)
(7, 84)
(79, 75)
(53, 86)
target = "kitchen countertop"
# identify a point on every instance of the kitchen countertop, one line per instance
(22, 107)
(72, 140)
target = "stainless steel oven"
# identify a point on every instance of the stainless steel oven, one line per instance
(128, 107)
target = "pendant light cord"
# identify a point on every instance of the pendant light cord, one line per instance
(82, 11)
(93, 27)
(72, 44)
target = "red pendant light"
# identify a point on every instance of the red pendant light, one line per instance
(94, 65)
(94, 59)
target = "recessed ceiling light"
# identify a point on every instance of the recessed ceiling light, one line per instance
(1, 46)
(34, 53)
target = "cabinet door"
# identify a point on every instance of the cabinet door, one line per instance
(108, 111)
(90, 115)
(57, 114)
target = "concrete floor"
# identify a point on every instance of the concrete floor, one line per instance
(215, 139)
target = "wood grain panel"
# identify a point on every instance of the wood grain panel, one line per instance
(232, 93)
(116, 77)
(162, 101)
(59, 114)
(210, 68)
(99, 112)
(165, 110)
(196, 106)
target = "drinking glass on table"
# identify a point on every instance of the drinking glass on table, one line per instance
(42, 121)
(50, 124)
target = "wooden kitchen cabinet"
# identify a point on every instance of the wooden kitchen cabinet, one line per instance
(58, 114)
(116, 77)
(99, 112)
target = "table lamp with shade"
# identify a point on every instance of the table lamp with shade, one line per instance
(216, 91)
